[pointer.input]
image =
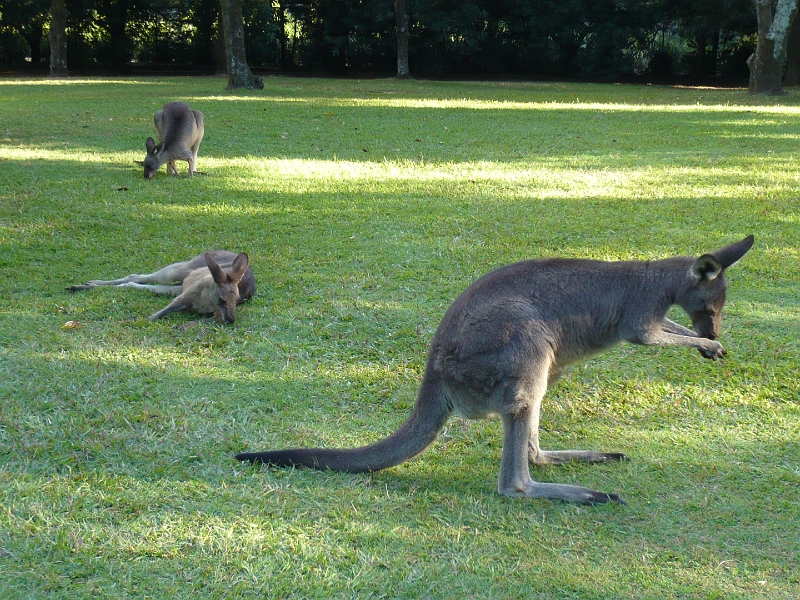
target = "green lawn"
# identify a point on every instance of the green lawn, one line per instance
(366, 207)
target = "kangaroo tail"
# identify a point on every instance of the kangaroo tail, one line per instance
(427, 419)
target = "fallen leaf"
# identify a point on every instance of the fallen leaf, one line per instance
(71, 325)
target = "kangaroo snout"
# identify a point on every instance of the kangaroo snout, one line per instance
(150, 168)
(707, 325)
(227, 315)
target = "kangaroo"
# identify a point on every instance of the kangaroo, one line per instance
(214, 282)
(180, 130)
(508, 336)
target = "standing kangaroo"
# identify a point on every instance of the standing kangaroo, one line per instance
(507, 337)
(180, 131)
(213, 283)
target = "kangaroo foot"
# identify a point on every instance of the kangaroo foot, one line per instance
(557, 491)
(560, 457)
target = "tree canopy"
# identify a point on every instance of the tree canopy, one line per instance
(589, 39)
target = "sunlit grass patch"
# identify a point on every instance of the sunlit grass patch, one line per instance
(366, 208)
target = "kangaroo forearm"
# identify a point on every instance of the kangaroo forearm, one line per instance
(709, 348)
(172, 307)
(665, 338)
(673, 327)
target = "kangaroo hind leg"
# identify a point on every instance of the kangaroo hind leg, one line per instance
(524, 401)
(537, 456)
(193, 161)
(174, 273)
(171, 274)
(170, 290)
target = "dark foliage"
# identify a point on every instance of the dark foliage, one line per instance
(588, 39)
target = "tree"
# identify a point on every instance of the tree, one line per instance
(239, 74)
(401, 11)
(792, 76)
(219, 49)
(775, 19)
(22, 31)
(114, 19)
(58, 39)
(205, 40)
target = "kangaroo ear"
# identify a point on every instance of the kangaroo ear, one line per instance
(730, 254)
(239, 266)
(216, 271)
(150, 144)
(706, 268)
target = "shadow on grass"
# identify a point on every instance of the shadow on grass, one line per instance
(128, 458)
(117, 439)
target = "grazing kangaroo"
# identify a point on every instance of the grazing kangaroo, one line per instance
(213, 283)
(507, 337)
(180, 131)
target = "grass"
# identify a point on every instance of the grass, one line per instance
(366, 207)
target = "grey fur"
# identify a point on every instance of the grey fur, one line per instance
(507, 337)
(214, 283)
(180, 131)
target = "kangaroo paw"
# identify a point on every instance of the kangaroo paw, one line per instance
(714, 351)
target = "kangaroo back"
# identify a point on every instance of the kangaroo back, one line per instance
(180, 131)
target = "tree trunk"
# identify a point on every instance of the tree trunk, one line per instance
(239, 74)
(33, 34)
(792, 77)
(219, 45)
(403, 35)
(115, 14)
(203, 48)
(58, 39)
(766, 63)
(700, 68)
(283, 42)
(714, 53)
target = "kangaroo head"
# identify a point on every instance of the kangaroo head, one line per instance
(152, 162)
(705, 297)
(225, 293)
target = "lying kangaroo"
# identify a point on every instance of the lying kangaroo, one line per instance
(214, 282)
(507, 337)
(180, 130)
